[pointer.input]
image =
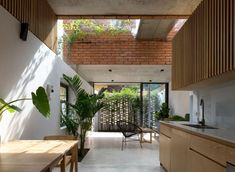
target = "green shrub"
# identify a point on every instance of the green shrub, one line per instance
(176, 118)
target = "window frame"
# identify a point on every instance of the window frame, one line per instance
(67, 95)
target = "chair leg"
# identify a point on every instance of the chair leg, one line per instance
(122, 142)
(140, 139)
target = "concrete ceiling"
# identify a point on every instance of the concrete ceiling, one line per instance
(124, 73)
(154, 29)
(149, 29)
(123, 7)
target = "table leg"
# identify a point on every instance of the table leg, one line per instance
(75, 152)
(63, 164)
(150, 137)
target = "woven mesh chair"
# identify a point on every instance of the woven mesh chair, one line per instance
(129, 130)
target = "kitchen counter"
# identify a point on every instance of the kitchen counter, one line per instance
(223, 136)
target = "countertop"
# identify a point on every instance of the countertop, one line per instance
(223, 136)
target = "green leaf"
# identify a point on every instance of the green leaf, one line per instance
(14, 108)
(10, 108)
(41, 102)
(71, 124)
(74, 83)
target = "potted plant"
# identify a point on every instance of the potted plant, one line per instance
(85, 107)
(39, 99)
(163, 113)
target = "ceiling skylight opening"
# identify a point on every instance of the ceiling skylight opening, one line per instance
(102, 26)
(134, 31)
(179, 24)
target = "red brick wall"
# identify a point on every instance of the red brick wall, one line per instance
(119, 49)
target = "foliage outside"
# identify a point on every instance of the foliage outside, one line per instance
(114, 98)
(79, 29)
(86, 27)
(84, 109)
(39, 99)
(128, 92)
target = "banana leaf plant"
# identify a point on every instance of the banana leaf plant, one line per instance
(85, 107)
(39, 99)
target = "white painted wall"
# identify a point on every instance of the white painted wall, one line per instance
(25, 66)
(219, 104)
(179, 102)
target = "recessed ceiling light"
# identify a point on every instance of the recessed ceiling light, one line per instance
(162, 70)
(110, 70)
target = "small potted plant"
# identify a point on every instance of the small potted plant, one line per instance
(163, 113)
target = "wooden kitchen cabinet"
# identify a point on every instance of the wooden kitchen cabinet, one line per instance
(179, 150)
(200, 163)
(165, 151)
(204, 48)
(186, 150)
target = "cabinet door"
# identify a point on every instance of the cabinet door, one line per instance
(165, 151)
(200, 163)
(179, 150)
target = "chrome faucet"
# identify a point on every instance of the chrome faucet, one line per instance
(202, 122)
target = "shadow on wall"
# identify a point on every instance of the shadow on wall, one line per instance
(35, 74)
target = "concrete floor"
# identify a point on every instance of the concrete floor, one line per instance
(105, 155)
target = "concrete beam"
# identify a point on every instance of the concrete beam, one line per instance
(170, 16)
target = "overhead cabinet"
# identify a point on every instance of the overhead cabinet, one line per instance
(204, 48)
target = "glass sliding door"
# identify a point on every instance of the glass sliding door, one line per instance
(133, 102)
(152, 95)
(122, 102)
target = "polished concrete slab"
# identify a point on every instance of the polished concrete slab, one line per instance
(105, 155)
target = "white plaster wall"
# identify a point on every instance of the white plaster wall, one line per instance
(179, 102)
(219, 104)
(24, 66)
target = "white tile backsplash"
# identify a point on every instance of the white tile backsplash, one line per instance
(219, 104)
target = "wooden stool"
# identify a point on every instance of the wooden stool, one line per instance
(146, 130)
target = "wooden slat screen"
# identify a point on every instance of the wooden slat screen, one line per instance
(41, 18)
(205, 45)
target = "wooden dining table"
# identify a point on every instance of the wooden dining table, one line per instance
(35, 155)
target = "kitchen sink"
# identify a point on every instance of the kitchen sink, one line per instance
(200, 126)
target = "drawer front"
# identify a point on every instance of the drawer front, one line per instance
(211, 149)
(199, 163)
(179, 150)
(165, 151)
(165, 130)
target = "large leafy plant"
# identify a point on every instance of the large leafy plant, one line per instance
(85, 107)
(70, 123)
(39, 99)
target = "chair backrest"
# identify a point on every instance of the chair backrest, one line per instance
(125, 126)
(60, 137)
